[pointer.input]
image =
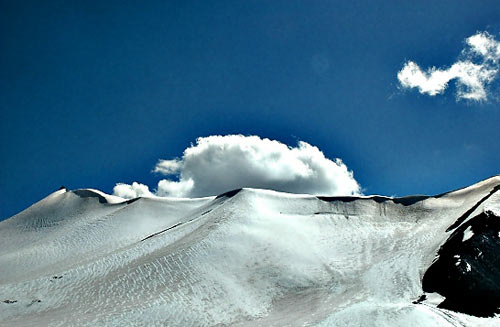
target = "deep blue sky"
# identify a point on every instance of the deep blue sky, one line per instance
(95, 92)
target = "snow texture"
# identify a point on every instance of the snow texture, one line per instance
(245, 258)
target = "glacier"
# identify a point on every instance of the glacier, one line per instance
(253, 257)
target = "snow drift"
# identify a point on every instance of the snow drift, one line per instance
(253, 258)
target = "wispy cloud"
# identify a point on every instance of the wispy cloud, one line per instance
(476, 67)
(216, 164)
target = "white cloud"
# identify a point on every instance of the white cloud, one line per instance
(182, 188)
(477, 67)
(216, 164)
(135, 190)
(168, 167)
(485, 45)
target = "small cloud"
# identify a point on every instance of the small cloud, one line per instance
(216, 164)
(135, 190)
(476, 68)
(178, 189)
(168, 167)
(485, 45)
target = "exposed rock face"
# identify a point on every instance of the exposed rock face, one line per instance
(467, 271)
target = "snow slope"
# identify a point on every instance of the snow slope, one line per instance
(245, 258)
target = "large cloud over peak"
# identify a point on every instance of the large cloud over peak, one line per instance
(477, 67)
(216, 164)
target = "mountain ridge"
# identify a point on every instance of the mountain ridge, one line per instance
(245, 257)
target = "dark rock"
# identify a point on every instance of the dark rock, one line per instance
(467, 273)
(229, 194)
(406, 200)
(420, 299)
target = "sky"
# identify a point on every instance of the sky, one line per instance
(384, 97)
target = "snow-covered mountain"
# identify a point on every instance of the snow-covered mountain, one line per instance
(253, 258)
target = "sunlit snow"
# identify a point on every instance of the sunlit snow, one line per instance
(247, 258)
(467, 234)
